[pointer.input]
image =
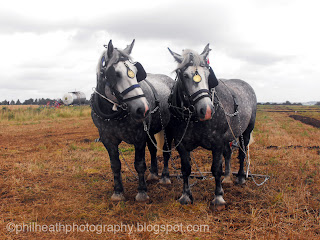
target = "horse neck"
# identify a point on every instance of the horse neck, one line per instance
(177, 98)
(103, 104)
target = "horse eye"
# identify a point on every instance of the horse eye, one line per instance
(185, 75)
(118, 74)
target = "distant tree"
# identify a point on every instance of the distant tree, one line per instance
(287, 103)
(317, 103)
(18, 102)
(28, 102)
(12, 102)
(5, 102)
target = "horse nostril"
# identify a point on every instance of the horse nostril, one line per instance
(203, 111)
(146, 113)
(140, 111)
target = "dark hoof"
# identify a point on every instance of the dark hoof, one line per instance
(117, 197)
(240, 180)
(227, 180)
(218, 203)
(165, 181)
(142, 197)
(185, 199)
(152, 177)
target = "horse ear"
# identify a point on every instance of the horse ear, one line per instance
(128, 49)
(110, 49)
(205, 52)
(176, 56)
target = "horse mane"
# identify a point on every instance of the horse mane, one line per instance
(189, 55)
(123, 54)
(117, 53)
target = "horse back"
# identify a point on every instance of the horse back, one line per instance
(237, 92)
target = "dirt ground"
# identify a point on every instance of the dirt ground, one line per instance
(52, 173)
(307, 120)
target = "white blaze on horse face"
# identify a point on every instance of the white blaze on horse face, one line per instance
(196, 86)
(204, 106)
(124, 82)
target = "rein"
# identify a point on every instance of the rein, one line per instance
(116, 115)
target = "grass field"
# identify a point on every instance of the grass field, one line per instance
(56, 183)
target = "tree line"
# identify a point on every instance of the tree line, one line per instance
(31, 101)
(285, 103)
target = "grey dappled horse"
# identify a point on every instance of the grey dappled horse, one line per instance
(125, 97)
(199, 119)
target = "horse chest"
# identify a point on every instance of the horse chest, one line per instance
(122, 131)
(205, 135)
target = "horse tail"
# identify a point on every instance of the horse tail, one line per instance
(251, 139)
(160, 141)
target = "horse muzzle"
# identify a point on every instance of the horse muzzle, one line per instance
(205, 112)
(139, 111)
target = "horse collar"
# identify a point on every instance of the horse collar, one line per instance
(118, 115)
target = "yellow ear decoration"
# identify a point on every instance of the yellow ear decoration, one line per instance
(197, 78)
(130, 73)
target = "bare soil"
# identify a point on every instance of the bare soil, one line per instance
(52, 171)
(307, 120)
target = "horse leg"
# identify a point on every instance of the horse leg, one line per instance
(216, 169)
(140, 166)
(116, 169)
(165, 180)
(186, 197)
(153, 175)
(241, 177)
(227, 158)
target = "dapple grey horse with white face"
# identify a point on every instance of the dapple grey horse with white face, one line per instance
(124, 97)
(208, 113)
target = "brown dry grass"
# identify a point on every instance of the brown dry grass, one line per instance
(12, 107)
(52, 172)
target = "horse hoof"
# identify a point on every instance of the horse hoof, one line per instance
(165, 181)
(142, 197)
(117, 197)
(152, 177)
(240, 180)
(227, 180)
(218, 203)
(185, 199)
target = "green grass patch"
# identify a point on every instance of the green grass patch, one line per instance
(39, 113)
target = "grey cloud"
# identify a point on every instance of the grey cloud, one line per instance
(189, 27)
(258, 57)
(175, 22)
(12, 23)
(183, 23)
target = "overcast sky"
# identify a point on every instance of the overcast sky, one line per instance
(48, 48)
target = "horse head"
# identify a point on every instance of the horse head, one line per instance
(118, 80)
(196, 80)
